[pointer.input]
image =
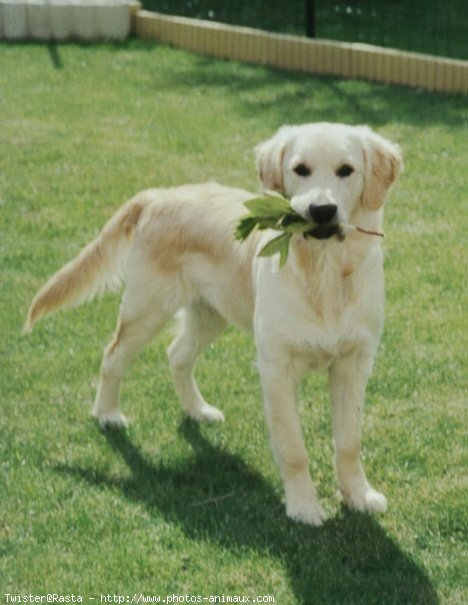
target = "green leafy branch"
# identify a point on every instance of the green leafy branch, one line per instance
(273, 212)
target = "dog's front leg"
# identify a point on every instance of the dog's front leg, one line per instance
(348, 378)
(279, 392)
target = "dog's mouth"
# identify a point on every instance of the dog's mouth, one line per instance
(326, 231)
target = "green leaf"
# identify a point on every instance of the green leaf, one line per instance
(294, 223)
(272, 212)
(245, 227)
(278, 244)
(271, 206)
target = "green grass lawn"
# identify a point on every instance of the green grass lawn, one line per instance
(169, 507)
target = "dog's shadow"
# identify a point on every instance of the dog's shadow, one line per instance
(350, 559)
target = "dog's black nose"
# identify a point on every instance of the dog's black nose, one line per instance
(322, 214)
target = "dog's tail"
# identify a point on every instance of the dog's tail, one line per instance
(99, 265)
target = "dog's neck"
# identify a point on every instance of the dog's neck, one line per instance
(367, 221)
(328, 270)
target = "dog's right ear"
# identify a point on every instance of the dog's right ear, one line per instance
(269, 157)
(383, 161)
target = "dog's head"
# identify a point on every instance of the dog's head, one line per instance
(329, 171)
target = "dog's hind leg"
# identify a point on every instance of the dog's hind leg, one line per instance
(139, 322)
(200, 325)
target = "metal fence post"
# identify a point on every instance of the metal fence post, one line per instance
(310, 18)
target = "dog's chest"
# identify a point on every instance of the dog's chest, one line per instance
(322, 312)
(322, 327)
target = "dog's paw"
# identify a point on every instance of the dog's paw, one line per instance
(207, 413)
(366, 500)
(375, 502)
(111, 420)
(308, 511)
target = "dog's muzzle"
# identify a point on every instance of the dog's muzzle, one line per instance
(325, 217)
(322, 214)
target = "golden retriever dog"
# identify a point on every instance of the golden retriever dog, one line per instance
(323, 309)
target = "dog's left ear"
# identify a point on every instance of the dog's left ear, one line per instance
(269, 157)
(383, 162)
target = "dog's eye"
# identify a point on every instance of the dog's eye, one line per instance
(344, 171)
(302, 170)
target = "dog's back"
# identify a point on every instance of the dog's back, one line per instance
(164, 228)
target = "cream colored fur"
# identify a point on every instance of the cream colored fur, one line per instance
(324, 309)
